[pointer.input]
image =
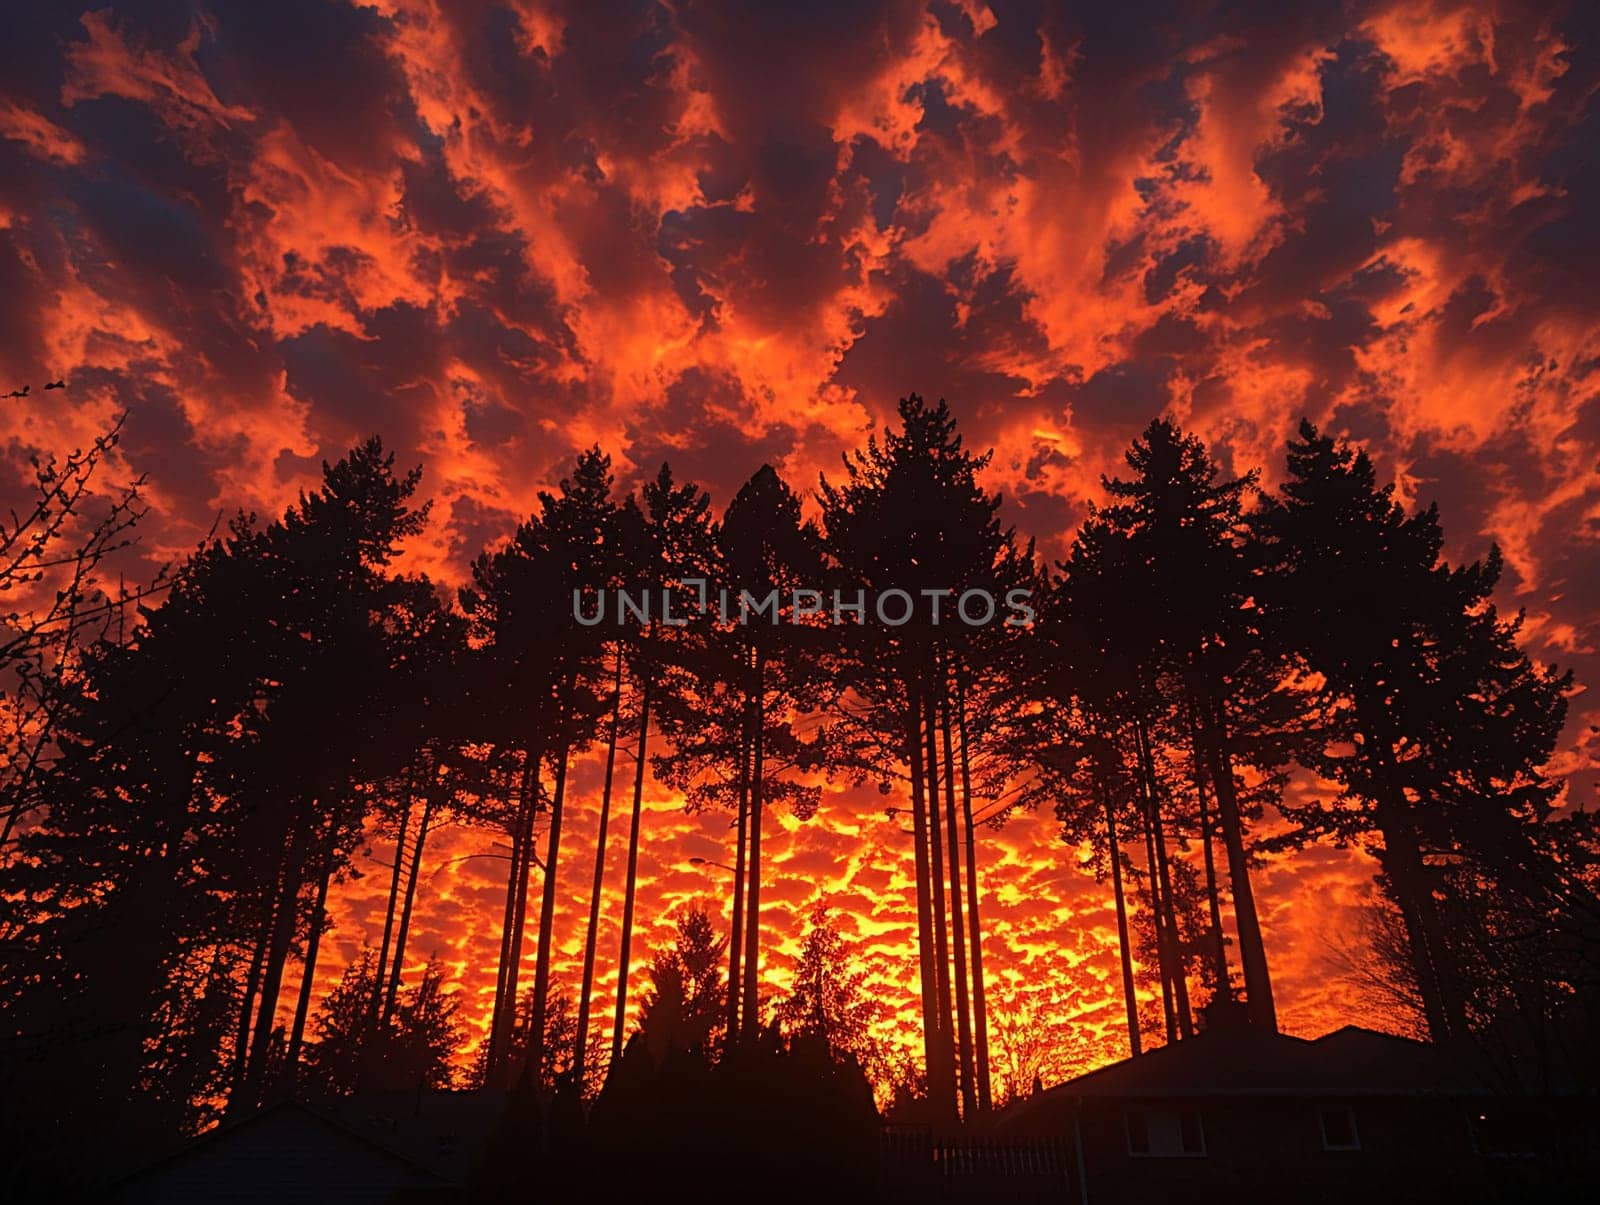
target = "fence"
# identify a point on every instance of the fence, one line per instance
(915, 1165)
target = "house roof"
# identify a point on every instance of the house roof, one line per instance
(352, 1135)
(445, 1129)
(1248, 1061)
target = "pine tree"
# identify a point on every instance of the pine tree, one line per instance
(829, 1000)
(911, 523)
(1440, 723)
(1182, 586)
(211, 774)
(742, 723)
(355, 1052)
(666, 542)
(540, 681)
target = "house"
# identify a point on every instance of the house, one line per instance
(1239, 1113)
(388, 1147)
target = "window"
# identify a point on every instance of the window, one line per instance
(1338, 1129)
(1159, 1133)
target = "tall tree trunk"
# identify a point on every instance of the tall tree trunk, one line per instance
(941, 1090)
(931, 1035)
(1437, 976)
(633, 874)
(581, 1043)
(308, 978)
(968, 1072)
(1252, 949)
(1176, 968)
(736, 939)
(1130, 995)
(980, 1010)
(252, 984)
(500, 1017)
(1402, 862)
(523, 860)
(547, 907)
(412, 875)
(1157, 907)
(283, 926)
(541, 964)
(752, 932)
(394, 900)
(1219, 953)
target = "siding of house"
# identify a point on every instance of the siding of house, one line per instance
(1261, 1149)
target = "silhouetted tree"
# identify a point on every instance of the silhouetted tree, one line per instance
(1161, 587)
(53, 551)
(913, 530)
(684, 1003)
(666, 541)
(412, 1048)
(828, 1000)
(540, 672)
(744, 721)
(210, 777)
(1441, 724)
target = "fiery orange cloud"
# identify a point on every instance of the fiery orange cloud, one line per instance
(498, 233)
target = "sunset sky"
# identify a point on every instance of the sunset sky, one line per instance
(495, 234)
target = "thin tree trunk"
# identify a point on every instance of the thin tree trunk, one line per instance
(241, 1040)
(1163, 961)
(1176, 968)
(942, 1089)
(581, 1043)
(752, 933)
(412, 875)
(633, 874)
(1130, 995)
(736, 940)
(980, 1011)
(931, 1036)
(1213, 904)
(532, 768)
(1252, 949)
(394, 899)
(499, 1025)
(968, 1072)
(283, 926)
(1179, 970)
(302, 1010)
(547, 912)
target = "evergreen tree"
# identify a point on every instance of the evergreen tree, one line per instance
(541, 671)
(743, 721)
(684, 1003)
(1441, 723)
(354, 1052)
(211, 772)
(1168, 571)
(913, 530)
(829, 1000)
(666, 542)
